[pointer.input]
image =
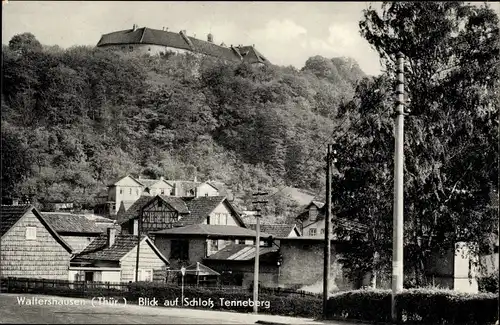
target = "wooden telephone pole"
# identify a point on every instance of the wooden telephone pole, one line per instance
(257, 251)
(330, 159)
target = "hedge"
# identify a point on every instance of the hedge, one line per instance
(416, 306)
(291, 305)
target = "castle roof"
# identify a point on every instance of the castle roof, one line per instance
(151, 36)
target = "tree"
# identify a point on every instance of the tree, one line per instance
(451, 161)
(25, 43)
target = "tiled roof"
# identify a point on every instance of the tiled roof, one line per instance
(10, 214)
(147, 182)
(175, 202)
(165, 38)
(211, 230)
(239, 252)
(199, 208)
(277, 230)
(200, 269)
(71, 223)
(98, 250)
(135, 209)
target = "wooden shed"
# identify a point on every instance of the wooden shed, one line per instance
(30, 247)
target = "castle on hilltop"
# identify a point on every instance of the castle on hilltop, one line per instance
(139, 41)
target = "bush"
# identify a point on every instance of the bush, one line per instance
(489, 283)
(416, 306)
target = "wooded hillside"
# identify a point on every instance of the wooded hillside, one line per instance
(72, 120)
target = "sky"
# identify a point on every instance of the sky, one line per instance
(287, 33)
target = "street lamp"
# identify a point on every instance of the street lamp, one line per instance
(183, 272)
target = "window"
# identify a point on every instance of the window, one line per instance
(162, 191)
(313, 213)
(312, 232)
(130, 48)
(137, 191)
(214, 245)
(121, 191)
(145, 275)
(149, 49)
(206, 194)
(30, 232)
(322, 231)
(179, 249)
(130, 192)
(208, 220)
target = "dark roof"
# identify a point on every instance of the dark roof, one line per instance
(135, 209)
(98, 250)
(199, 208)
(11, 214)
(211, 230)
(239, 252)
(71, 223)
(276, 230)
(175, 202)
(166, 38)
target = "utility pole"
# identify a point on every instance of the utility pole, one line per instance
(328, 230)
(139, 225)
(398, 221)
(257, 246)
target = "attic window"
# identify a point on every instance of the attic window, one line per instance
(30, 232)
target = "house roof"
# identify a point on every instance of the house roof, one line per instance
(199, 208)
(200, 269)
(211, 231)
(135, 209)
(146, 35)
(11, 214)
(98, 250)
(71, 223)
(276, 230)
(239, 252)
(117, 179)
(175, 202)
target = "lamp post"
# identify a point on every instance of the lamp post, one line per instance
(183, 272)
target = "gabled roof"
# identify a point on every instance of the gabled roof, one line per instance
(202, 230)
(116, 180)
(11, 214)
(201, 207)
(71, 223)
(200, 269)
(239, 252)
(98, 250)
(175, 202)
(135, 209)
(276, 230)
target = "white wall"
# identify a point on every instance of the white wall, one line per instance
(462, 265)
(222, 215)
(206, 190)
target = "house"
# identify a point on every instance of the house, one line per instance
(77, 230)
(30, 247)
(277, 230)
(302, 265)
(123, 192)
(164, 212)
(193, 243)
(112, 258)
(236, 264)
(311, 222)
(140, 41)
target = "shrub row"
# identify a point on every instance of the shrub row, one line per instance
(292, 305)
(416, 306)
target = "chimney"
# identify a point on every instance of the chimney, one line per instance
(136, 227)
(210, 38)
(111, 236)
(176, 190)
(163, 28)
(134, 28)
